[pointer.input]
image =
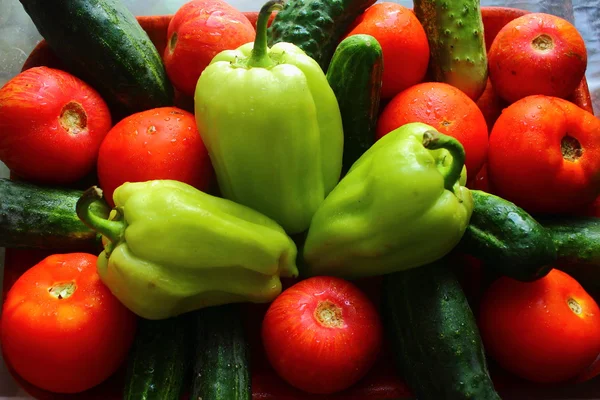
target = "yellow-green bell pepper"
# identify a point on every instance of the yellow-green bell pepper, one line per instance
(400, 206)
(171, 248)
(272, 127)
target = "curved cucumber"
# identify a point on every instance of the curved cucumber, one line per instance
(577, 241)
(355, 76)
(507, 239)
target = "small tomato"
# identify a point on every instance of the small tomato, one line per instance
(322, 334)
(199, 30)
(403, 43)
(161, 143)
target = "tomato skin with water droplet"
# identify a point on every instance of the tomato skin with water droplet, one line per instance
(546, 331)
(544, 156)
(162, 143)
(51, 126)
(322, 334)
(62, 330)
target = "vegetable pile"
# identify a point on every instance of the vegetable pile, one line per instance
(322, 188)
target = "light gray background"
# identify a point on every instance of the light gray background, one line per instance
(18, 37)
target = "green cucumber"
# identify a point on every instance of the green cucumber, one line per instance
(507, 239)
(434, 335)
(101, 42)
(316, 26)
(222, 369)
(454, 30)
(355, 74)
(577, 241)
(159, 365)
(44, 217)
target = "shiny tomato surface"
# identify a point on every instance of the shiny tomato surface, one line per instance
(322, 334)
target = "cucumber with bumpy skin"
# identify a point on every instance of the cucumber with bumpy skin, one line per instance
(456, 42)
(355, 75)
(316, 26)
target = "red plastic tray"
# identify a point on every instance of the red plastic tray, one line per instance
(383, 381)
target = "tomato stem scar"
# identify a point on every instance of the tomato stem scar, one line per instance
(574, 306)
(329, 315)
(62, 290)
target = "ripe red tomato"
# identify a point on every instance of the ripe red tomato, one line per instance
(199, 30)
(445, 108)
(403, 43)
(51, 126)
(537, 53)
(62, 329)
(544, 331)
(162, 143)
(322, 334)
(544, 155)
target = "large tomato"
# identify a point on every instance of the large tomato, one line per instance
(199, 30)
(544, 155)
(51, 126)
(162, 143)
(544, 331)
(62, 329)
(322, 334)
(445, 108)
(537, 53)
(403, 43)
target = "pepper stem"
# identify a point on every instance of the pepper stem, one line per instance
(434, 140)
(113, 230)
(259, 57)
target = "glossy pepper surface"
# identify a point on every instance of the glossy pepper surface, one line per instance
(171, 248)
(272, 127)
(401, 205)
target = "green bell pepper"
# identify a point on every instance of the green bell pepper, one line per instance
(272, 127)
(170, 249)
(400, 206)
